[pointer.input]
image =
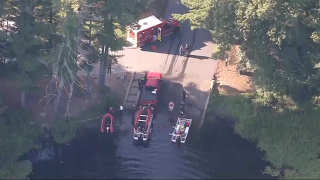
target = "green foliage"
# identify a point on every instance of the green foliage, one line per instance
(279, 38)
(17, 137)
(64, 131)
(290, 138)
(280, 41)
(55, 38)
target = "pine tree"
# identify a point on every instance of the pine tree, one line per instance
(111, 18)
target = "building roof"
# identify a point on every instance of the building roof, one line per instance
(149, 22)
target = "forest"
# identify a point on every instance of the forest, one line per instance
(279, 43)
(53, 39)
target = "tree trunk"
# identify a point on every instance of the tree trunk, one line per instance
(90, 29)
(57, 100)
(51, 22)
(23, 99)
(88, 94)
(103, 68)
(69, 99)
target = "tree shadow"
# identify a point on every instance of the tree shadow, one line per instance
(196, 39)
(199, 57)
(242, 157)
(229, 90)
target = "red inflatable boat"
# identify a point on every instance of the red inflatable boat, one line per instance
(107, 123)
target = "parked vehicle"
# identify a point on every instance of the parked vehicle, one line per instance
(151, 29)
(151, 90)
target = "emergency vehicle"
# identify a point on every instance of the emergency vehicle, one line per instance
(151, 29)
(143, 124)
(151, 90)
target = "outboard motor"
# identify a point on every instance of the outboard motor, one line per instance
(178, 141)
(107, 129)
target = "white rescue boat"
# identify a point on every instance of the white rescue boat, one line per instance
(181, 130)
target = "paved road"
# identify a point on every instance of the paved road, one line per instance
(194, 73)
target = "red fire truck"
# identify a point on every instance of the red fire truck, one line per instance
(151, 29)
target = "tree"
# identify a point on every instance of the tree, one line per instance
(279, 39)
(111, 18)
(64, 56)
(17, 138)
(26, 46)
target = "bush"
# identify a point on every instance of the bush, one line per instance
(17, 136)
(64, 131)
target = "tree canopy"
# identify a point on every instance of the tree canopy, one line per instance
(279, 41)
(56, 39)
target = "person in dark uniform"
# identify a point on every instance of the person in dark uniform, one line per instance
(133, 111)
(181, 51)
(215, 78)
(140, 84)
(111, 110)
(187, 48)
(182, 105)
(121, 111)
(109, 67)
(183, 96)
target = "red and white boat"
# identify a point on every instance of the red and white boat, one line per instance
(107, 123)
(143, 124)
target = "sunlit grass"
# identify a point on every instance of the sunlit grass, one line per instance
(291, 139)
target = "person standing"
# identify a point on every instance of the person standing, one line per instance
(109, 67)
(171, 106)
(187, 49)
(121, 111)
(181, 50)
(140, 84)
(133, 111)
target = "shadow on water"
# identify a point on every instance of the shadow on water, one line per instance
(213, 152)
(230, 155)
(90, 155)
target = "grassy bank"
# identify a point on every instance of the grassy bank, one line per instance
(291, 139)
(66, 130)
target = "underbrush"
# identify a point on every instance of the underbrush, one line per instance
(17, 136)
(290, 137)
(66, 130)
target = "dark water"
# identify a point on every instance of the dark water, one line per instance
(214, 153)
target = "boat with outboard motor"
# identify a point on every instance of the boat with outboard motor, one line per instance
(143, 125)
(181, 130)
(107, 123)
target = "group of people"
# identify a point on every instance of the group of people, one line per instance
(182, 128)
(184, 50)
(111, 111)
(182, 103)
(140, 127)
